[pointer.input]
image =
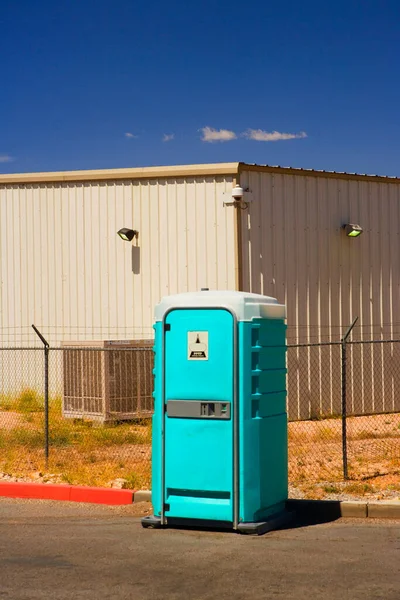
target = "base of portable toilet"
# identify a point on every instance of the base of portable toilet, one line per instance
(277, 521)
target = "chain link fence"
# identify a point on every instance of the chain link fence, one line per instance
(344, 415)
(22, 424)
(314, 409)
(82, 415)
(373, 406)
(88, 422)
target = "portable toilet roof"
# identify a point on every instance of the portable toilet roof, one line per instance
(244, 305)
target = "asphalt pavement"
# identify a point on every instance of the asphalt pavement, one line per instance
(70, 551)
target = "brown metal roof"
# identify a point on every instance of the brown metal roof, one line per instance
(316, 173)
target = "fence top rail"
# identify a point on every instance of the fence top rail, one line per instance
(106, 348)
(314, 344)
(149, 347)
(318, 344)
(374, 342)
(36, 348)
(78, 348)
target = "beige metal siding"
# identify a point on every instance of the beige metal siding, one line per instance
(294, 249)
(63, 267)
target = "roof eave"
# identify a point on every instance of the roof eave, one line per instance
(180, 171)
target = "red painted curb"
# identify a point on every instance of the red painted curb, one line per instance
(72, 493)
(101, 495)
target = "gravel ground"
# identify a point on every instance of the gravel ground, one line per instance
(55, 509)
(318, 492)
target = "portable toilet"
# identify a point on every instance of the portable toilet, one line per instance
(219, 439)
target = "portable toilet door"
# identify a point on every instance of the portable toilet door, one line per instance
(199, 454)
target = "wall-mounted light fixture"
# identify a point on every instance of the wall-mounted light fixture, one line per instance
(352, 230)
(127, 234)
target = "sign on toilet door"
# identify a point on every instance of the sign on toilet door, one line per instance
(197, 345)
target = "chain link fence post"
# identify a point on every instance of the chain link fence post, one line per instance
(46, 392)
(344, 413)
(344, 399)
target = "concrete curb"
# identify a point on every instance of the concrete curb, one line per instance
(331, 509)
(384, 510)
(316, 509)
(142, 496)
(71, 493)
(326, 509)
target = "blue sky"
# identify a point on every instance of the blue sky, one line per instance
(225, 80)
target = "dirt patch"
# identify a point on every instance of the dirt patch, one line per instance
(373, 449)
(316, 454)
(9, 420)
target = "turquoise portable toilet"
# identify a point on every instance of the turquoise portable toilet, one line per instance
(219, 440)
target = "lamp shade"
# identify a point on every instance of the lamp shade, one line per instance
(127, 234)
(352, 230)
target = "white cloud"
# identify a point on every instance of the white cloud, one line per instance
(130, 135)
(5, 158)
(217, 135)
(167, 137)
(272, 136)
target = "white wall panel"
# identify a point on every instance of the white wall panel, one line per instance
(63, 267)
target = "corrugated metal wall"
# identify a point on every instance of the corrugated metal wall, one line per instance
(63, 267)
(294, 249)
